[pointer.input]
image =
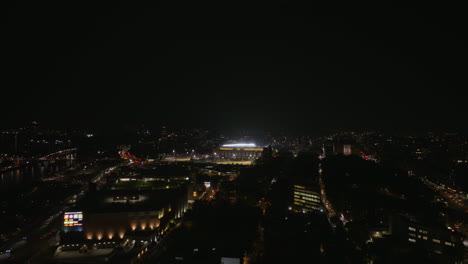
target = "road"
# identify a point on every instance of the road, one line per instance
(457, 202)
(452, 198)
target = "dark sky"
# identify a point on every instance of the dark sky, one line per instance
(232, 64)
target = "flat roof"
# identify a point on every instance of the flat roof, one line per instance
(142, 185)
(92, 256)
(149, 200)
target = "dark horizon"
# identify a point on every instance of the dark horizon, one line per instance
(278, 66)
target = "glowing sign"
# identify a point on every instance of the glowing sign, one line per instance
(73, 219)
(207, 184)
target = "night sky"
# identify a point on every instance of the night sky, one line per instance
(234, 65)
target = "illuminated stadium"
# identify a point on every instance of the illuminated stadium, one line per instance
(239, 151)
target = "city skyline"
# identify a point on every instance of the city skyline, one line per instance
(233, 132)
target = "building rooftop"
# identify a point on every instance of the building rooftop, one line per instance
(128, 200)
(91, 256)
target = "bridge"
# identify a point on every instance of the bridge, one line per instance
(66, 154)
(125, 154)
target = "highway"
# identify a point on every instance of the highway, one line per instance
(452, 198)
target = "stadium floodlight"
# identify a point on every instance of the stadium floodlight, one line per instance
(240, 145)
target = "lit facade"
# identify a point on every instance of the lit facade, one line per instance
(306, 199)
(107, 226)
(347, 149)
(436, 239)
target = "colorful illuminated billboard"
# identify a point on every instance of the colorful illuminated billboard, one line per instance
(73, 219)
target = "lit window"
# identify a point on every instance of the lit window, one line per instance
(411, 228)
(448, 243)
(161, 214)
(436, 240)
(411, 240)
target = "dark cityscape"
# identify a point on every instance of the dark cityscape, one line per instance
(233, 133)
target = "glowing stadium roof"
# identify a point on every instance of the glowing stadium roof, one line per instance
(241, 145)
